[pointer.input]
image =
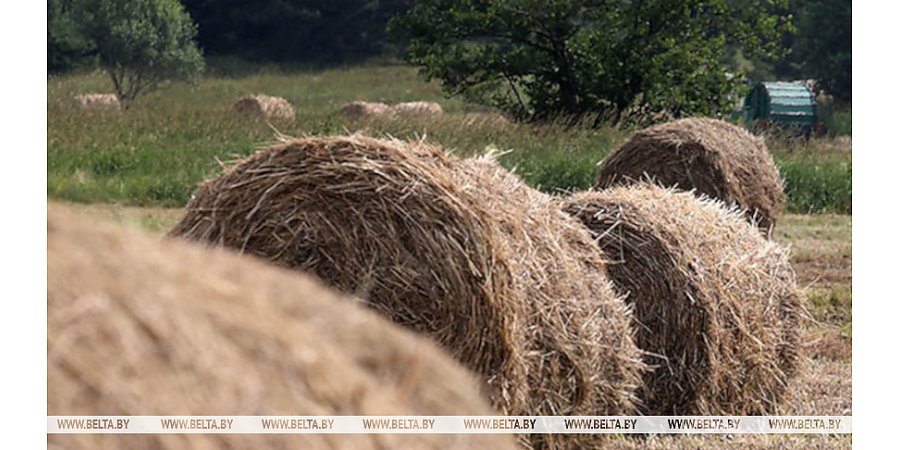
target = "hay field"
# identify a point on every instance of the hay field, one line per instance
(171, 140)
(821, 255)
(140, 169)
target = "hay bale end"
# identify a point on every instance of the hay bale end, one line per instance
(716, 306)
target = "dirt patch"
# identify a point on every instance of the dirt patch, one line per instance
(824, 388)
(821, 248)
(824, 271)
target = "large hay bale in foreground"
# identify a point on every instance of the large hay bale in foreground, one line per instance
(713, 157)
(98, 102)
(461, 251)
(418, 109)
(141, 327)
(264, 107)
(716, 305)
(358, 109)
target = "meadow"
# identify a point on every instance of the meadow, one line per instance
(157, 152)
(140, 168)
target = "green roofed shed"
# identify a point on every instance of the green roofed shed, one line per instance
(772, 103)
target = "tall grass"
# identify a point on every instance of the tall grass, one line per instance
(155, 154)
(817, 184)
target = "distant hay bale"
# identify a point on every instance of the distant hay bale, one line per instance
(358, 110)
(459, 250)
(141, 327)
(713, 157)
(265, 107)
(418, 109)
(716, 305)
(98, 102)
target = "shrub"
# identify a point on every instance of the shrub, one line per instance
(141, 44)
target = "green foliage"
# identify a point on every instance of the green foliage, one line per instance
(840, 122)
(141, 43)
(541, 59)
(824, 45)
(817, 183)
(837, 118)
(67, 47)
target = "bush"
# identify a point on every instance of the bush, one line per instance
(141, 44)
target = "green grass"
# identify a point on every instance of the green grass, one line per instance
(840, 123)
(155, 154)
(834, 306)
(817, 183)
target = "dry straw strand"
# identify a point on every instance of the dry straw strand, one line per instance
(709, 156)
(716, 305)
(142, 327)
(462, 251)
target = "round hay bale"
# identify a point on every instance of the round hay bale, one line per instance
(716, 305)
(359, 110)
(418, 109)
(713, 157)
(142, 327)
(461, 251)
(264, 107)
(98, 102)
(576, 321)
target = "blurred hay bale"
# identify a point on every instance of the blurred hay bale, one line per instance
(264, 107)
(716, 305)
(142, 327)
(459, 250)
(713, 157)
(359, 110)
(418, 109)
(98, 102)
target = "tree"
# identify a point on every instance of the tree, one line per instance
(824, 45)
(539, 59)
(141, 44)
(67, 47)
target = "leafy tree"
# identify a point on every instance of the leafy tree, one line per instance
(141, 44)
(67, 47)
(539, 59)
(824, 45)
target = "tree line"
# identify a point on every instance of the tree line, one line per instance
(535, 59)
